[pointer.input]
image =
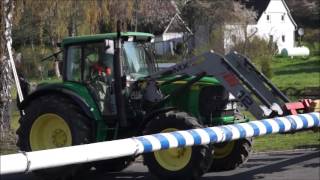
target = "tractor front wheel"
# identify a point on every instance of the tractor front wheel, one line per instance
(179, 163)
(52, 122)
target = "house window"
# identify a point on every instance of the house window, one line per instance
(282, 17)
(283, 38)
(268, 18)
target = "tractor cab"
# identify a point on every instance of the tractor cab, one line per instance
(82, 56)
(90, 60)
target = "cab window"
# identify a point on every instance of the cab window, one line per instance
(74, 63)
(84, 61)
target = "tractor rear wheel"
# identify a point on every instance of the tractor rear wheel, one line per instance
(52, 122)
(229, 155)
(179, 163)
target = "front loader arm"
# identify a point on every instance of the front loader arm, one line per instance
(249, 89)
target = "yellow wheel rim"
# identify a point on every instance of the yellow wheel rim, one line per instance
(49, 131)
(173, 159)
(223, 150)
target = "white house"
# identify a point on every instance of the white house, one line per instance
(274, 23)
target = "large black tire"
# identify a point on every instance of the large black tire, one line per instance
(236, 154)
(200, 157)
(50, 112)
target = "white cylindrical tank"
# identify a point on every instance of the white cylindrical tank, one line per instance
(295, 51)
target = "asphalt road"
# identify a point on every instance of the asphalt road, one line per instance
(294, 165)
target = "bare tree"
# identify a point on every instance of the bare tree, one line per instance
(311, 12)
(6, 78)
(244, 17)
(214, 16)
(152, 15)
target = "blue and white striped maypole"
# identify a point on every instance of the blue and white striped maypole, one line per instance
(29, 161)
(228, 133)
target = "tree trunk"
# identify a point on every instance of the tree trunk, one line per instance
(56, 60)
(56, 69)
(136, 9)
(245, 40)
(6, 78)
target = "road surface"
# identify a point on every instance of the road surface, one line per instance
(293, 165)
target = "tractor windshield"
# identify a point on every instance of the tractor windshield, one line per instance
(138, 62)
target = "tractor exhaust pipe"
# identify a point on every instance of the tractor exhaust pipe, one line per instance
(118, 74)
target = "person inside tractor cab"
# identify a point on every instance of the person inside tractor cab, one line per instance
(100, 65)
(99, 60)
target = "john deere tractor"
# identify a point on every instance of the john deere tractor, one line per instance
(112, 89)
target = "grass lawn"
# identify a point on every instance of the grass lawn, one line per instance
(278, 142)
(297, 72)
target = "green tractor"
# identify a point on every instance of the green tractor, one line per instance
(108, 93)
